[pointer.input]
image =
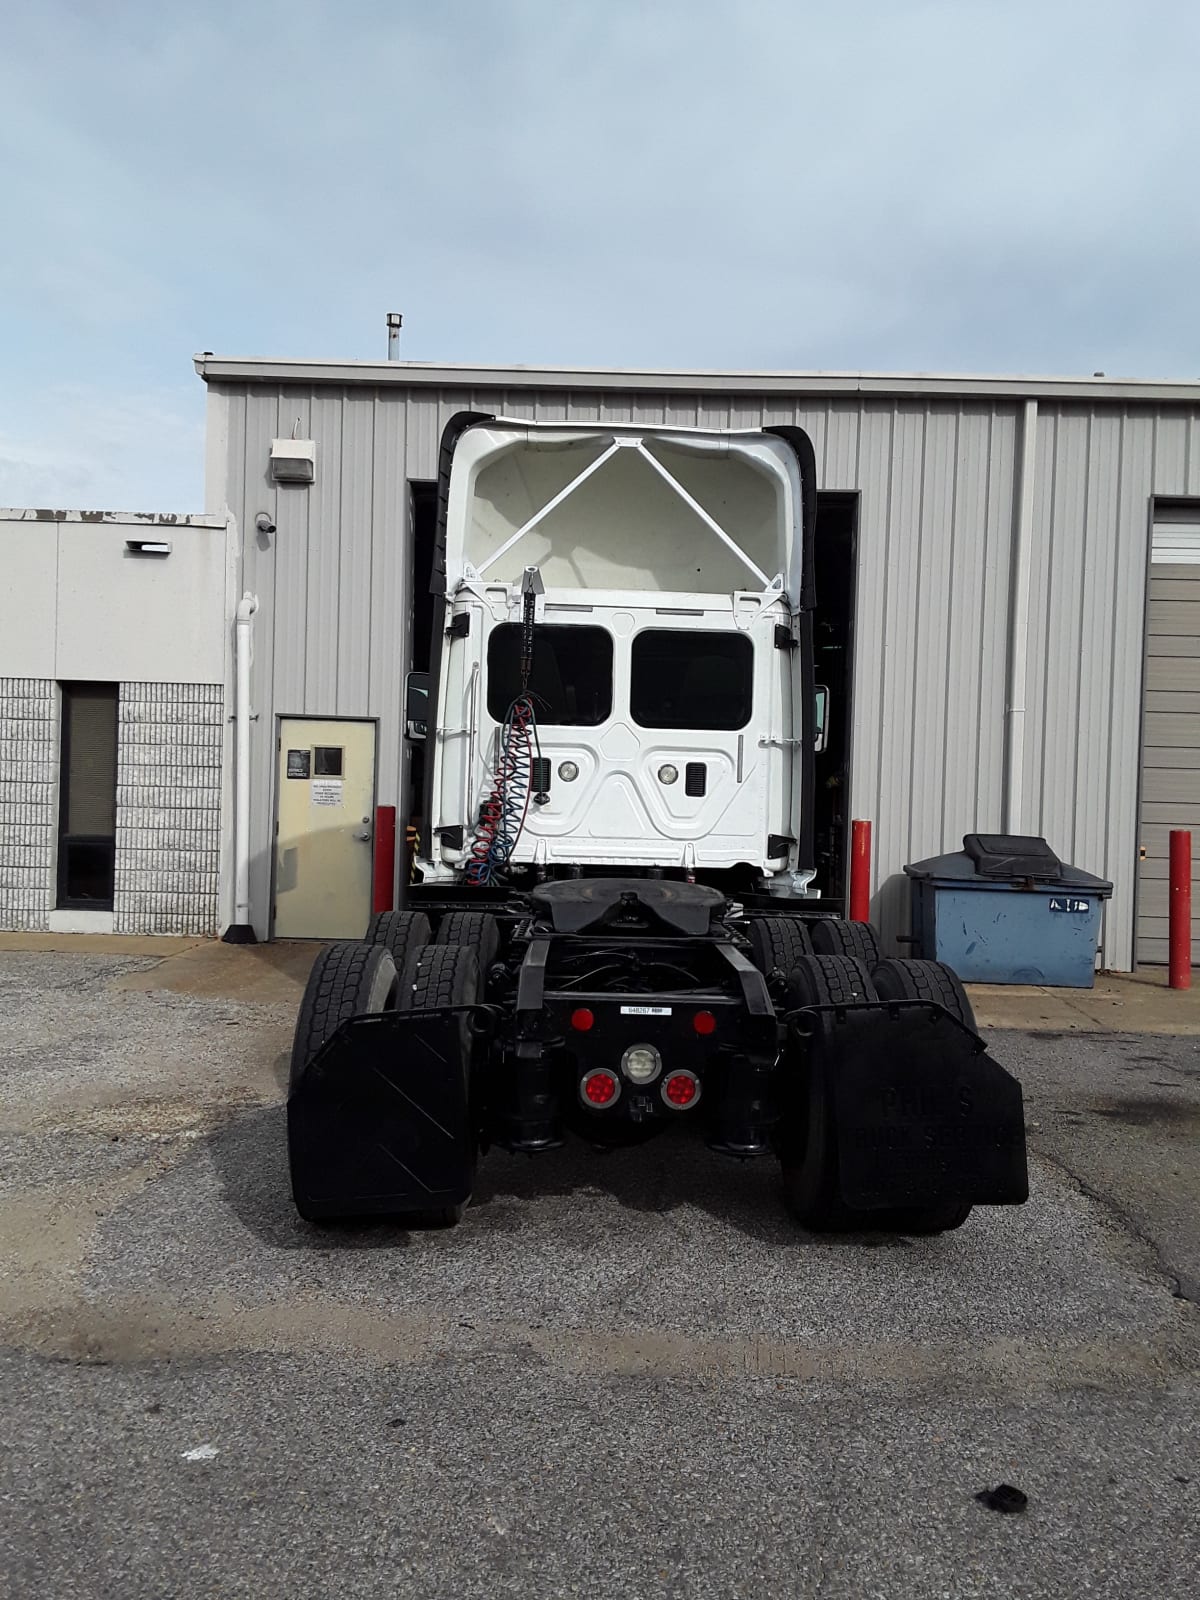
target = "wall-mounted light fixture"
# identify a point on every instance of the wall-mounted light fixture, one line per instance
(293, 460)
(148, 547)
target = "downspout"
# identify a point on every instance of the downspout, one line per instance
(240, 931)
(1018, 620)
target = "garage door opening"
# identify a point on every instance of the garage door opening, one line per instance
(836, 566)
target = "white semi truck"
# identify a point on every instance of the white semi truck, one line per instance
(616, 929)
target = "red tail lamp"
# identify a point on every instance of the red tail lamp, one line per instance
(599, 1088)
(681, 1090)
(583, 1020)
(704, 1022)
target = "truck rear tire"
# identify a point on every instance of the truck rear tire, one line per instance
(777, 943)
(898, 979)
(437, 977)
(474, 930)
(832, 937)
(829, 981)
(809, 1155)
(347, 980)
(902, 979)
(401, 932)
(926, 1219)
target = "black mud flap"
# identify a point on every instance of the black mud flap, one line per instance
(922, 1113)
(379, 1122)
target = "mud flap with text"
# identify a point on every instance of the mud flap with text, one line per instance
(379, 1122)
(922, 1113)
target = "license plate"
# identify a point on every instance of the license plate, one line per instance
(645, 1011)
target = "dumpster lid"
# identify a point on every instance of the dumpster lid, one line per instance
(1012, 855)
(1008, 865)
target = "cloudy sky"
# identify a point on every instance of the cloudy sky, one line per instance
(885, 185)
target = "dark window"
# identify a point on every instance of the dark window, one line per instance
(691, 680)
(87, 822)
(572, 678)
(327, 761)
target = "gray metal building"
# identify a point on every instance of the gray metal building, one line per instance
(1001, 668)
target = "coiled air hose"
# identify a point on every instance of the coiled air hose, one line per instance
(502, 815)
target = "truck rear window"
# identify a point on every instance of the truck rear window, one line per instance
(691, 680)
(572, 679)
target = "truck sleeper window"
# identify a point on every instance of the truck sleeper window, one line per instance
(691, 680)
(572, 679)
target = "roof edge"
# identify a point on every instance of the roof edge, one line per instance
(428, 374)
(143, 519)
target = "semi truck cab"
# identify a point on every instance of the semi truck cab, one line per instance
(669, 664)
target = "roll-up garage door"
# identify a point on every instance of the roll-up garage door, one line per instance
(1170, 720)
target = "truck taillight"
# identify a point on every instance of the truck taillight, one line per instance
(681, 1090)
(583, 1020)
(704, 1022)
(599, 1088)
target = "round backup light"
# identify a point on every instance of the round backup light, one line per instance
(568, 771)
(668, 774)
(641, 1063)
(583, 1020)
(599, 1088)
(681, 1090)
(704, 1023)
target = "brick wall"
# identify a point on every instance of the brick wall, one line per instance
(28, 802)
(168, 807)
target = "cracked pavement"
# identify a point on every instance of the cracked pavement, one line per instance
(626, 1375)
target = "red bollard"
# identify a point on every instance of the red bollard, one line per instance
(860, 872)
(385, 858)
(1180, 944)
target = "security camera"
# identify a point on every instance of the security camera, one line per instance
(263, 523)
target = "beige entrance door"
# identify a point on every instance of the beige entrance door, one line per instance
(324, 817)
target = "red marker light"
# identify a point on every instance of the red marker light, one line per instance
(599, 1088)
(681, 1090)
(704, 1022)
(583, 1020)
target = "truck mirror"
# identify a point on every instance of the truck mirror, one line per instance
(822, 718)
(416, 706)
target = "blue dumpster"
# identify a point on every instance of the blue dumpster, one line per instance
(1005, 909)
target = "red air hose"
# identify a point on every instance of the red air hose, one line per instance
(502, 815)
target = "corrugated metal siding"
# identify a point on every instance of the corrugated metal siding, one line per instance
(936, 482)
(1098, 468)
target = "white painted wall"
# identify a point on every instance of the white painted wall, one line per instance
(28, 597)
(76, 603)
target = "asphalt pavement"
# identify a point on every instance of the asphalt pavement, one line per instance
(625, 1374)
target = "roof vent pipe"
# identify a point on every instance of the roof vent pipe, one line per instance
(394, 321)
